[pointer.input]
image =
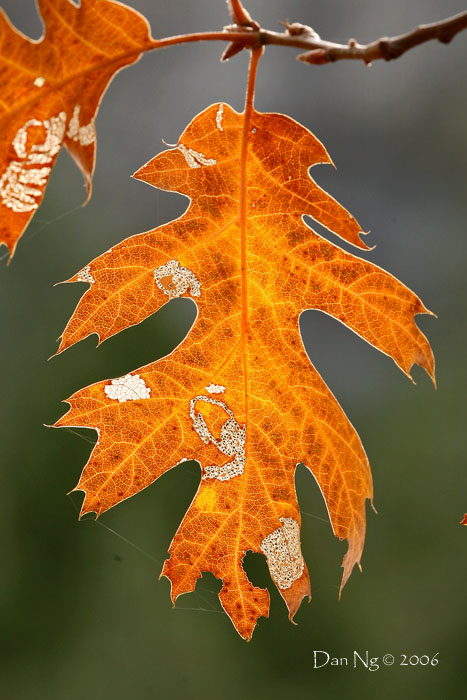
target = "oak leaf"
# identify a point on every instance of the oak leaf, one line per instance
(239, 395)
(51, 90)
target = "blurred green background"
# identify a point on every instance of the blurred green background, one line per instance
(82, 613)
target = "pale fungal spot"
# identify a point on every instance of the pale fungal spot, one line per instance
(54, 132)
(85, 135)
(253, 131)
(219, 116)
(21, 185)
(39, 158)
(182, 278)
(128, 388)
(231, 442)
(15, 189)
(39, 81)
(19, 142)
(215, 389)
(84, 275)
(195, 159)
(35, 176)
(283, 553)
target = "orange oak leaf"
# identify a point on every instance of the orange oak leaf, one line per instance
(239, 395)
(51, 90)
(464, 520)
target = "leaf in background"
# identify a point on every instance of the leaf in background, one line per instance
(239, 394)
(51, 90)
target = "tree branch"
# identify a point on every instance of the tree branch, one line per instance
(318, 51)
(385, 48)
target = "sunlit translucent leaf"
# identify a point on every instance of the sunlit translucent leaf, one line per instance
(51, 90)
(239, 394)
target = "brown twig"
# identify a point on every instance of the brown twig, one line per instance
(317, 50)
(384, 48)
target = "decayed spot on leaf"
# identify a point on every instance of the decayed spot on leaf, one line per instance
(231, 442)
(283, 552)
(194, 158)
(219, 117)
(85, 275)
(175, 280)
(128, 388)
(240, 394)
(215, 389)
(51, 90)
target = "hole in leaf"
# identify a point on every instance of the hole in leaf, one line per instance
(256, 569)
